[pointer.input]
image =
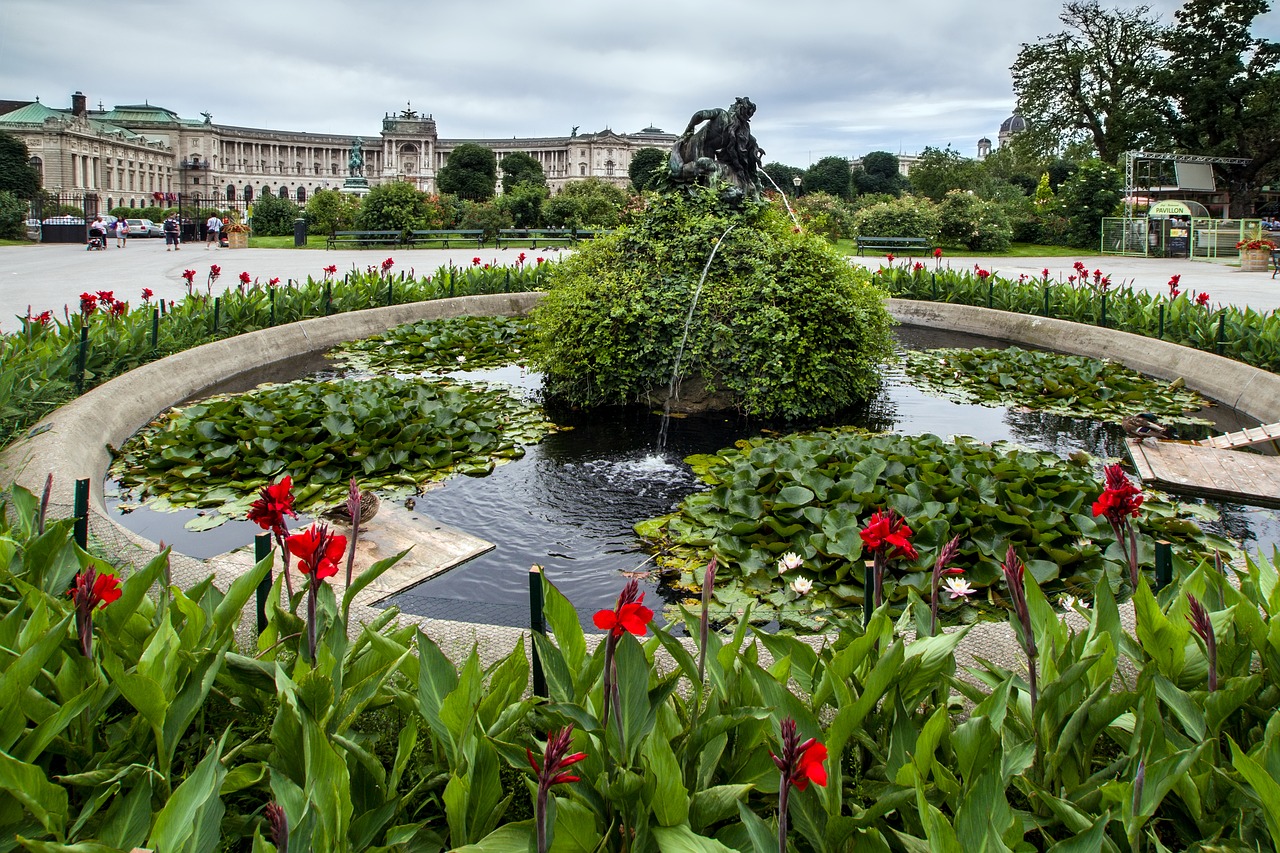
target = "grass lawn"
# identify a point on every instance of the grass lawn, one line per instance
(1017, 250)
(314, 241)
(22, 242)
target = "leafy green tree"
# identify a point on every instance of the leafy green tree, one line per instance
(589, 203)
(523, 203)
(830, 175)
(17, 175)
(879, 173)
(330, 210)
(644, 167)
(273, 216)
(1094, 80)
(1222, 86)
(909, 216)
(486, 216)
(471, 173)
(784, 176)
(942, 170)
(974, 223)
(395, 206)
(521, 168)
(13, 211)
(1091, 194)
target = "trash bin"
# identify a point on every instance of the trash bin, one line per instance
(299, 233)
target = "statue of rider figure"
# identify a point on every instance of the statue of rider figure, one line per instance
(355, 163)
(722, 152)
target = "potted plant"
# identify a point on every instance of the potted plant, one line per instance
(237, 232)
(1255, 253)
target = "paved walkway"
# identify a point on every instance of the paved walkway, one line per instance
(51, 276)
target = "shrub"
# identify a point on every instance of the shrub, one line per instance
(394, 206)
(13, 211)
(978, 225)
(484, 216)
(330, 210)
(909, 216)
(783, 324)
(274, 216)
(824, 214)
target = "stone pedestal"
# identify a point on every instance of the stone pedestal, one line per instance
(357, 186)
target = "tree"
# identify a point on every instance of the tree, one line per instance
(830, 175)
(521, 168)
(395, 206)
(17, 175)
(784, 176)
(273, 216)
(330, 210)
(879, 173)
(471, 173)
(644, 167)
(523, 203)
(1223, 90)
(941, 170)
(589, 203)
(1091, 194)
(13, 211)
(1095, 80)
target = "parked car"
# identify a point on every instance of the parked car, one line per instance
(144, 228)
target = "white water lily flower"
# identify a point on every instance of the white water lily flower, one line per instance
(461, 359)
(959, 588)
(790, 560)
(1070, 602)
(802, 586)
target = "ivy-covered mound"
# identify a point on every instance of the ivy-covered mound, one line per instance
(812, 493)
(783, 324)
(389, 433)
(1071, 385)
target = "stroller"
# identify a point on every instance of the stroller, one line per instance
(96, 241)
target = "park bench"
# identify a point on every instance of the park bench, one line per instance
(363, 238)
(548, 236)
(894, 244)
(445, 236)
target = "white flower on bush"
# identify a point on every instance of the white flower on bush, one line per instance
(790, 560)
(802, 586)
(959, 588)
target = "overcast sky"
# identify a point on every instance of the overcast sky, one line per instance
(828, 78)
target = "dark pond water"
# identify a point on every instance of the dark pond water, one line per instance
(571, 502)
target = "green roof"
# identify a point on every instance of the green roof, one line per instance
(140, 112)
(35, 113)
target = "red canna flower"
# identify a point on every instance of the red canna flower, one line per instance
(88, 303)
(556, 759)
(937, 253)
(388, 264)
(1044, 273)
(889, 530)
(982, 274)
(245, 278)
(44, 318)
(1202, 299)
(273, 504)
(330, 270)
(917, 267)
(629, 616)
(520, 259)
(799, 764)
(106, 296)
(475, 262)
(147, 293)
(1173, 285)
(189, 275)
(889, 257)
(214, 271)
(540, 260)
(318, 551)
(118, 309)
(91, 591)
(1119, 501)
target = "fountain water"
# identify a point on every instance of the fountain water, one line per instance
(684, 339)
(790, 212)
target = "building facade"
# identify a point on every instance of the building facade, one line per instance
(129, 153)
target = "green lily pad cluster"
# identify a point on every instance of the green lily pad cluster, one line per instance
(1070, 385)
(812, 493)
(390, 434)
(457, 343)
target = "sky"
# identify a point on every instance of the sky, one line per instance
(828, 77)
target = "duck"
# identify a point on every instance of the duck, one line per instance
(1145, 425)
(369, 503)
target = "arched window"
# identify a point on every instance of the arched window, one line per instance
(38, 165)
(248, 192)
(231, 192)
(301, 195)
(316, 166)
(110, 203)
(284, 191)
(582, 168)
(333, 168)
(608, 167)
(266, 190)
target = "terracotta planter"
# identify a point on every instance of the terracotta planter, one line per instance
(237, 239)
(1255, 260)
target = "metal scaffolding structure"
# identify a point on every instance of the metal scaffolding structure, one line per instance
(1132, 157)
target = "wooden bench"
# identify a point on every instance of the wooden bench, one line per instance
(894, 244)
(548, 236)
(444, 236)
(364, 238)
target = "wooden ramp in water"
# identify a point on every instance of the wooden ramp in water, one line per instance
(1244, 438)
(1209, 472)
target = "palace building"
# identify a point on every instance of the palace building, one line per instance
(127, 154)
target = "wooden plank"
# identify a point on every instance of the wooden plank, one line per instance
(1244, 438)
(1192, 469)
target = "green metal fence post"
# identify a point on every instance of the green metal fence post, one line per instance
(217, 312)
(271, 300)
(262, 550)
(83, 358)
(328, 296)
(1102, 320)
(155, 330)
(81, 512)
(868, 592)
(537, 624)
(1046, 300)
(1164, 564)
(933, 276)
(1222, 332)
(451, 281)
(390, 293)
(1160, 332)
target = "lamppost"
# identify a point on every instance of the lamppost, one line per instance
(795, 182)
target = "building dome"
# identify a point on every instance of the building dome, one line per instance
(1013, 124)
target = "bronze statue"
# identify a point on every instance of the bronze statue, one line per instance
(355, 163)
(721, 153)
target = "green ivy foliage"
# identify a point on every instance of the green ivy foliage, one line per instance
(783, 323)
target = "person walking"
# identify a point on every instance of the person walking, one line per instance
(171, 233)
(98, 232)
(213, 232)
(122, 233)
